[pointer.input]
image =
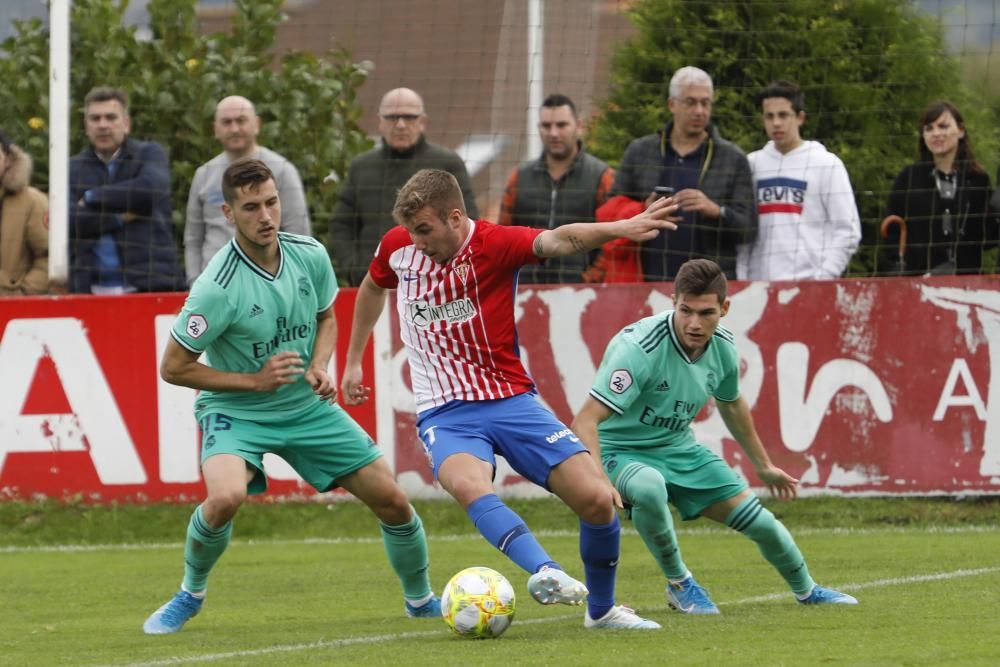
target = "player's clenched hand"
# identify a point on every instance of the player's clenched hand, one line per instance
(779, 483)
(647, 225)
(322, 384)
(616, 497)
(351, 389)
(282, 368)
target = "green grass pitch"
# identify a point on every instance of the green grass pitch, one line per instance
(311, 586)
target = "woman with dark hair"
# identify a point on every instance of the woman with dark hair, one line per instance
(24, 233)
(943, 199)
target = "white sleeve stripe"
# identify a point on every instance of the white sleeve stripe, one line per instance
(329, 304)
(727, 400)
(183, 344)
(607, 402)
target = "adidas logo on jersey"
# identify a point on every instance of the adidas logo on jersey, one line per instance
(256, 310)
(663, 386)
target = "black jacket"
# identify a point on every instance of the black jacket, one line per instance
(364, 206)
(141, 186)
(725, 179)
(936, 242)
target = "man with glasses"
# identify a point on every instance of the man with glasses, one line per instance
(707, 176)
(364, 209)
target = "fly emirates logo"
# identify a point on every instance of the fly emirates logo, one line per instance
(423, 314)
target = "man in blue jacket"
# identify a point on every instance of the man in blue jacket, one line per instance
(121, 235)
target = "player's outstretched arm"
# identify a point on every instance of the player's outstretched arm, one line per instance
(181, 367)
(323, 385)
(739, 421)
(367, 309)
(585, 426)
(583, 236)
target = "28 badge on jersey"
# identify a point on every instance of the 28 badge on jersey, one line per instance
(620, 381)
(196, 325)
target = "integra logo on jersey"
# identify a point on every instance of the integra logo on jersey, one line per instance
(422, 314)
(284, 334)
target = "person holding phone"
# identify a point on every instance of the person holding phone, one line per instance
(709, 176)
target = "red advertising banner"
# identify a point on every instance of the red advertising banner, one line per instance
(84, 412)
(857, 386)
(880, 386)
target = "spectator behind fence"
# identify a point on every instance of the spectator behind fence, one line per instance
(565, 184)
(121, 235)
(206, 230)
(364, 209)
(24, 231)
(709, 176)
(808, 220)
(943, 200)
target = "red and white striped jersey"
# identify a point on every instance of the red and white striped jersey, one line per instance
(457, 319)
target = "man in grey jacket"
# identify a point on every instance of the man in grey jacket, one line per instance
(205, 229)
(363, 213)
(708, 177)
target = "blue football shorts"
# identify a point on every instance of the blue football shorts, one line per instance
(518, 428)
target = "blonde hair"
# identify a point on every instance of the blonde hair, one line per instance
(428, 187)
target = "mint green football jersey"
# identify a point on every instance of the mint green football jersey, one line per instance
(240, 316)
(654, 389)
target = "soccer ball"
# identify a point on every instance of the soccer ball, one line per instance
(478, 602)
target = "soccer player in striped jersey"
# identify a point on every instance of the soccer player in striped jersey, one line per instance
(455, 282)
(262, 313)
(655, 377)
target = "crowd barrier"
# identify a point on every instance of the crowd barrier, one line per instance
(872, 386)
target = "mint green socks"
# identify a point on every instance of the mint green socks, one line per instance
(644, 489)
(406, 547)
(202, 549)
(774, 541)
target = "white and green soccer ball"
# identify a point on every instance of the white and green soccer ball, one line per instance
(479, 603)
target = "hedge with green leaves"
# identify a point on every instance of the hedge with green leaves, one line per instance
(308, 104)
(868, 68)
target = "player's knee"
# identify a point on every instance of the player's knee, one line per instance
(391, 505)
(645, 488)
(596, 506)
(466, 490)
(221, 506)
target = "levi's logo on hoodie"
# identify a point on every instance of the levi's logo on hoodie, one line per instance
(780, 195)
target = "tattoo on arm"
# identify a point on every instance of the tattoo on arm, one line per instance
(578, 245)
(537, 248)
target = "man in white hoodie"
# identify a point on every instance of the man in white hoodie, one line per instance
(809, 222)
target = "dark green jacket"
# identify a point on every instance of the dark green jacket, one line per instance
(533, 199)
(364, 210)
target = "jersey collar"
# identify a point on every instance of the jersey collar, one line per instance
(468, 239)
(677, 342)
(256, 268)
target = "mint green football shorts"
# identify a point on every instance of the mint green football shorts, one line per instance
(696, 478)
(322, 443)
